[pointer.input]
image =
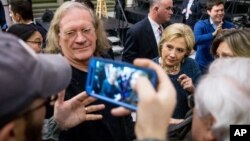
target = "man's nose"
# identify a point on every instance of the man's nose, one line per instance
(80, 37)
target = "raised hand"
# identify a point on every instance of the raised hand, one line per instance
(74, 111)
(218, 29)
(186, 83)
(155, 106)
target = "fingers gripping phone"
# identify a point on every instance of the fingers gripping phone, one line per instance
(113, 81)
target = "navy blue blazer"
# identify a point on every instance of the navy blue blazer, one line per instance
(140, 42)
(203, 30)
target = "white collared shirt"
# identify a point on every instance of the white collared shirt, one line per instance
(155, 27)
(212, 23)
(190, 2)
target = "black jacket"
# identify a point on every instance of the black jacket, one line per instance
(110, 128)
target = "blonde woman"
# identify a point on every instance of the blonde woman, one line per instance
(174, 48)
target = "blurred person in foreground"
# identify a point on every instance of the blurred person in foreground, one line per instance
(232, 43)
(222, 99)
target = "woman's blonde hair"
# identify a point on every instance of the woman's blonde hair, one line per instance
(53, 37)
(177, 30)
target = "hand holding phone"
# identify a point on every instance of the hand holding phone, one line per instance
(113, 81)
(155, 104)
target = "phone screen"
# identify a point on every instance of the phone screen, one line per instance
(114, 82)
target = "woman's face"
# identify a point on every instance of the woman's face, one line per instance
(173, 52)
(223, 50)
(35, 41)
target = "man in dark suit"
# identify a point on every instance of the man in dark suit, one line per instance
(142, 38)
(191, 12)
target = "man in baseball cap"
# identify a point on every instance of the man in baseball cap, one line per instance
(27, 79)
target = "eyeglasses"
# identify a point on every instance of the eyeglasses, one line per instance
(40, 44)
(26, 112)
(84, 32)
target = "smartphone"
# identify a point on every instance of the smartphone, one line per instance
(113, 81)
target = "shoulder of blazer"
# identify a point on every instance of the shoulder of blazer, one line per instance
(143, 22)
(228, 24)
(142, 25)
(204, 22)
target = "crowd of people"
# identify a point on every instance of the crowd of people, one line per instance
(43, 76)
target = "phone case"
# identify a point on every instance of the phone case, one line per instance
(112, 81)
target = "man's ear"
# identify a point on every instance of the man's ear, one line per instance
(209, 124)
(156, 7)
(7, 132)
(18, 17)
(208, 12)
